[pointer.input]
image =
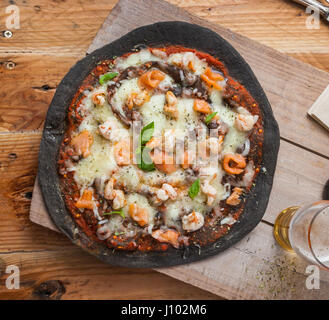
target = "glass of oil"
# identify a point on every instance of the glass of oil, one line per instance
(305, 231)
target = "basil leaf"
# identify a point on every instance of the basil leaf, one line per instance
(147, 133)
(143, 157)
(210, 117)
(144, 160)
(194, 189)
(107, 77)
(120, 212)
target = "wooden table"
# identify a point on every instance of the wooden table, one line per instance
(52, 37)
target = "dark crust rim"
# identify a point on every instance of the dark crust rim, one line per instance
(156, 35)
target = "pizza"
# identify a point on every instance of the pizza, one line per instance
(161, 148)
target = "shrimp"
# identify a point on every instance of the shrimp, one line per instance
(159, 53)
(167, 191)
(210, 191)
(245, 122)
(201, 106)
(99, 98)
(234, 198)
(137, 99)
(119, 200)
(162, 195)
(151, 79)
(168, 236)
(116, 195)
(109, 190)
(82, 143)
(234, 163)
(122, 152)
(86, 200)
(170, 190)
(188, 61)
(213, 75)
(211, 78)
(185, 60)
(170, 108)
(140, 215)
(103, 232)
(193, 221)
(164, 162)
(111, 131)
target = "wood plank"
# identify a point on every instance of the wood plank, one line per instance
(70, 273)
(59, 28)
(27, 89)
(19, 160)
(277, 24)
(299, 179)
(320, 109)
(55, 27)
(317, 60)
(290, 85)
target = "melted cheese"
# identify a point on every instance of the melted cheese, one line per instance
(123, 93)
(129, 176)
(101, 163)
(183, 58)
(234, 138)
(136, 59)
(175, 209)
(186, 122)
(142, 202)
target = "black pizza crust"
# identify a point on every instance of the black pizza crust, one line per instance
(156, 35)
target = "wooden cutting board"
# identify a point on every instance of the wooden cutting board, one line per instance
(256, 267)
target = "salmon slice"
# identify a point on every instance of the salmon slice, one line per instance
(201, 106)
(122, 152)
(140, 215)
(82, 143)
(86, 200)
(211, 78)
(151, 79)
(168, 236)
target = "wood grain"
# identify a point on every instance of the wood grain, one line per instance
(69, 273)
(60, 32)
(63, 28)
(27, 89)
